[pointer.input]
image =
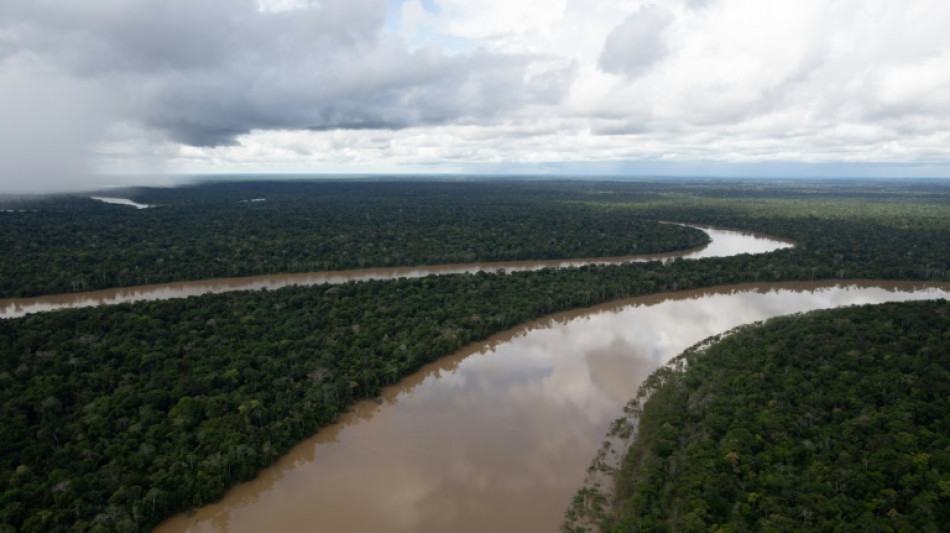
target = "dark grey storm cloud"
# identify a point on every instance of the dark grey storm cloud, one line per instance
(637, 43)
(206, 71)
(116, 86)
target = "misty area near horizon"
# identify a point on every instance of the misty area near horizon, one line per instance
(100, 95)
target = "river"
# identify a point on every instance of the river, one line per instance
(121, 201)
(723, 243)
(498, 436)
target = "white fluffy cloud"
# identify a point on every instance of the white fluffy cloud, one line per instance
(452, 85)
(638, 42)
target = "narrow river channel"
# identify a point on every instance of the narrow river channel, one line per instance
(723, 243)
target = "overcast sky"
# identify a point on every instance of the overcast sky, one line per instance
(714, 87)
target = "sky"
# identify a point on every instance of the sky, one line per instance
(114, 92)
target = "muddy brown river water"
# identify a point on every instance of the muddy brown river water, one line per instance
(723, 243)
(498, 436)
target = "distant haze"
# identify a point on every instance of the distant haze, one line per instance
(98, 91)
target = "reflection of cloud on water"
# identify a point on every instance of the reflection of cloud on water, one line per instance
(617, 371)
(121, 201)
(504, 434)
(726, 243)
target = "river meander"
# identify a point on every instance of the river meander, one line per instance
(498, 436)
(723, 243)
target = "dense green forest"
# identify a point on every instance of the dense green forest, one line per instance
(885, 229)
(214, 230)
(116, 417)
(831, 421)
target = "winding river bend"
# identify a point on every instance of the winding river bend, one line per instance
(723, 243)
(498, 436)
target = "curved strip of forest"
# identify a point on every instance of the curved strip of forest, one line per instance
(722, 242)
(830, 421)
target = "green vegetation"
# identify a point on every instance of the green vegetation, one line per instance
(213, 230)
(831, 421)
(116, 417)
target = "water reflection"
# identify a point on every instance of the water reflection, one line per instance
(498, 438)
(121, 201)
(723, 243)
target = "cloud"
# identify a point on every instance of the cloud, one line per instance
(207, 71)
(403, 85)
(637, 43)
(48, 123)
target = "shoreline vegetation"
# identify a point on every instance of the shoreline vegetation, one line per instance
(17, 307)
(117, 417)
(76, 244)
(831, 420)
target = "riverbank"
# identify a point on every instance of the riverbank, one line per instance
(815, 422)
(498, 435)
(214, 362)
(226, 383)
(722, 242)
